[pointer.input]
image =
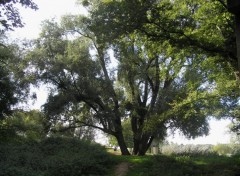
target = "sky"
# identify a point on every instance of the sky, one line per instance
(219, 134)
(49, 9)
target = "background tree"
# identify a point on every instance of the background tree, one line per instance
(13, 83)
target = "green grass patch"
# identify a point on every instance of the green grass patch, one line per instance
(181, 165)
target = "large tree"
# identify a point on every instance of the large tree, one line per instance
(157, 86)
(204, 27)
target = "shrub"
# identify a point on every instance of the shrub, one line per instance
(53, 157)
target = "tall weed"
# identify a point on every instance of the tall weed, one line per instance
(175, 149)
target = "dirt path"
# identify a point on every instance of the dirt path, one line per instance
(121, 169)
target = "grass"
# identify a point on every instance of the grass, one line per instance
(180, 165)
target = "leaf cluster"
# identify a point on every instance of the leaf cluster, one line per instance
(9, 13)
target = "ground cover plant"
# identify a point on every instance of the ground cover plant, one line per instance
(53, 156)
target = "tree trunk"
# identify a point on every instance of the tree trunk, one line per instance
(141, 144)
(135, 145)
(144, 144)
(122, 144)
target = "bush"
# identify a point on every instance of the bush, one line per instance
(53, 157)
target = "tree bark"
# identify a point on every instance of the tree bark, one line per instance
(142, 142)
(135, 145)
(122, 144)
(145, 144)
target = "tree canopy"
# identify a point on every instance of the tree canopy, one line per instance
(203, 27)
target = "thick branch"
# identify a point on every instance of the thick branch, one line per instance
(223, 4)
(155, 89)
(184, 40)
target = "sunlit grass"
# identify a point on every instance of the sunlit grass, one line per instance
(180, 165)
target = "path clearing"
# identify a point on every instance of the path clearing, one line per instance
(121, 169)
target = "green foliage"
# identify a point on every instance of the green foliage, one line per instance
(53, 157)
(202, 27)
(13, 84)
(31, 125)
(7, 86)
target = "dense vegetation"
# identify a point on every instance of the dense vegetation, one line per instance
(53, 157)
